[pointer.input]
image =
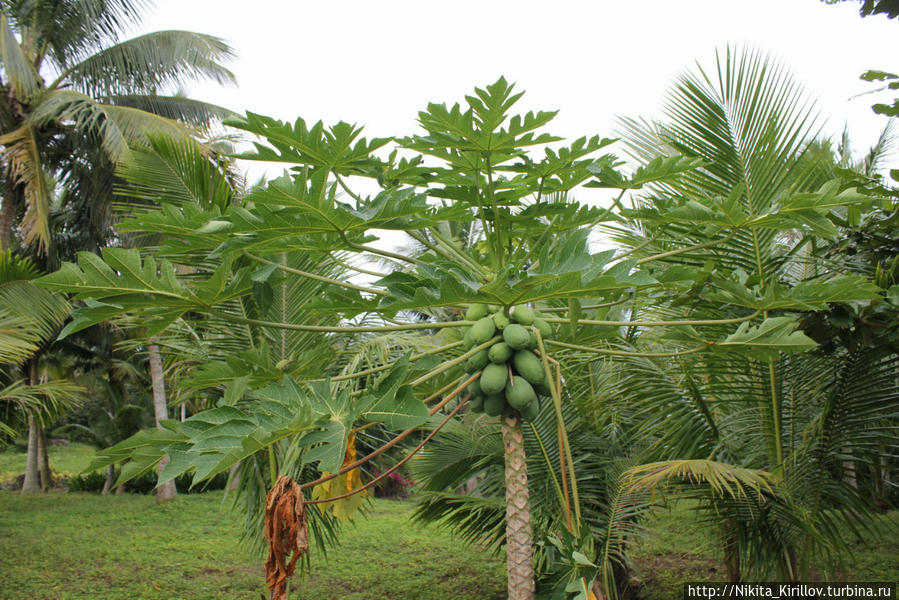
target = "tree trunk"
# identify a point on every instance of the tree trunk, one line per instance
(7, 212)
(519, 542)
(32, 481)
(43, 460)
(166, 490)
(730, 551)
(110, 479)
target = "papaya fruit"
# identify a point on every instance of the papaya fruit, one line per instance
(493, 378)
(474, 388)
(467, 342)
(516, 336)
(500, 353)
(475, 312)
(546, 330)
(476, 404)
(530, 412)
(529, 366)
(519, 392)
(477, 361)
(494, 405)
(482, 330)
(523, 314)
(532, 340)
(500, 320)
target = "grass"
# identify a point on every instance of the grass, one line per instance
(65, 461)
(677, 548)
(72, 546)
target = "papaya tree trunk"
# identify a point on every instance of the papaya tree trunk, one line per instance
(166, 490)
(43, 460)
(519, 541)
(32, 481)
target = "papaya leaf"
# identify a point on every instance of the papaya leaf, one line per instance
(767, 340)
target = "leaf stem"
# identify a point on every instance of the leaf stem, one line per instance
(585, 307)
(405, 459)
(337, 282)
(392, 442)
(456, 361)
(657, 323)
(682, 250)
(388, 365)
(346, 329)
(626, 353)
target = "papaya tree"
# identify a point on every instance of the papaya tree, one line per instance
(493, 303)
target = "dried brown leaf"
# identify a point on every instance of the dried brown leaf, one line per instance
(285, 530)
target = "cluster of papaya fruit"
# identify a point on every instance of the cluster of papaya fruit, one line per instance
(512, 373)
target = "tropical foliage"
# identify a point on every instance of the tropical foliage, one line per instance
(684, 347)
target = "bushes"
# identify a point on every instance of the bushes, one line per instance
(145, 484)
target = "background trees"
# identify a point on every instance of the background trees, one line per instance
(76, 96)
(76, 99)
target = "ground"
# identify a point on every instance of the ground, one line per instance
(70, 546)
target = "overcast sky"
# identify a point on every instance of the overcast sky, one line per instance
(378, 63)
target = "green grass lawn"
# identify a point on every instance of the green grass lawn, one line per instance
(82, 546)
(64, 460)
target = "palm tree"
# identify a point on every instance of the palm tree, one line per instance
(75, 94)
(801, 418)
(30, 317)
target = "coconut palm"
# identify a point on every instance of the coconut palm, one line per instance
(31, 318)
(70, 83)
(804, 418)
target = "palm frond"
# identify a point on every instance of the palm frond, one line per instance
(177, 108)
(175, 171)
(723, 479)
(17, 69)
(22, 154)
(150, 63)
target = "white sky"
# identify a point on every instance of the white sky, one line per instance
(378, 63)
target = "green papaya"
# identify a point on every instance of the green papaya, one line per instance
(483, 330)
(476, 404)
(523, 314)
(475, 312)
(529, 366)
(474, 388)
(494, 405)
(493, 378)
(500, 353)
(519, 392)
(530, 412)
(467, 342)
(477, 361)
(516, 336)
(546, 330)
(493, 307)
(500, 320)
(532, 340)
